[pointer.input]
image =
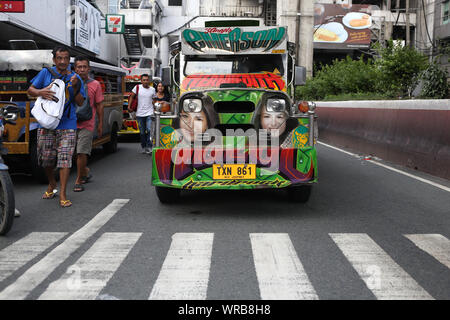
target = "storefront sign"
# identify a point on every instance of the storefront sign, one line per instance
(87, 26)
(342, 26)
(12, 6)
(115, 23)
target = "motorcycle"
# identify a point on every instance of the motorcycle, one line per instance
(8, 114)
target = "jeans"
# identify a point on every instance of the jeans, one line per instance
(145, 124)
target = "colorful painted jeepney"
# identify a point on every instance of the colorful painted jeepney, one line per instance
(233, 122)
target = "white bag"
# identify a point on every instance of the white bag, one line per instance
(49, 112)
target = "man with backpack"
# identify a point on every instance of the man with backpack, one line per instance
(55, 148)
(86, 124)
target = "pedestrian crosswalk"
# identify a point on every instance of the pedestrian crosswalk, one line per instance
(186, 268)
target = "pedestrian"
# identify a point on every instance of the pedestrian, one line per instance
(144, 111)
(161, 93)
(85, 129)
(55, 148)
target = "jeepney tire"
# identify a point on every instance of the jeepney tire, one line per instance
(7, 202)
(299, 194)
(37, 171)
(168, 195)
(111, 146)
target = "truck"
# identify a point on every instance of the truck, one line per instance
(233, 121)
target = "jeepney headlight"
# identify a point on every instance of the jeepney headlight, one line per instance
(276, 105)
(192, 105)
(10, 116)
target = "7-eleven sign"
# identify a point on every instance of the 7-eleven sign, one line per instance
(115, 23)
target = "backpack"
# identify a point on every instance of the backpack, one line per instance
(134, 103)
(48, 113)
(84, 112)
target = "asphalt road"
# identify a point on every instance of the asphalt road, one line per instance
(350, 241)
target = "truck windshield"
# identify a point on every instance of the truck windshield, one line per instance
(228, 64)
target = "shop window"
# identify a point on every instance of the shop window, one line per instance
(445, 12)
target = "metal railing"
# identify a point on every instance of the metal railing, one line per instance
(232, 11)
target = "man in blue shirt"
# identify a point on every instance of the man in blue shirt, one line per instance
(55, 148)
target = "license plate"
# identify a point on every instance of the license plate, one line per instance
(234, 171)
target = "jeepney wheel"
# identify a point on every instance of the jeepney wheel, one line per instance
(36, 171)
(168, 195)
(111, 146)
(7, 202)
(299, 194)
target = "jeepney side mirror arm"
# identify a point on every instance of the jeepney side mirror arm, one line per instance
(300, 76)
(166, 77)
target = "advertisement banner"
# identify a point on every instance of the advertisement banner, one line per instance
(17, 6)
(234, 40)
(115, 23)
(87, 26)
(342, 26)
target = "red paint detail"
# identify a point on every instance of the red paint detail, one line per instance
(253, 80)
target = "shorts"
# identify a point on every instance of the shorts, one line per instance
(84, 141)
(56, 147)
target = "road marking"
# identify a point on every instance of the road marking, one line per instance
(435, 245)
(185, 271)
(42, 269)
(440, 186)
(89, 275)
(386, 279)
(280, 273)
(15, 256)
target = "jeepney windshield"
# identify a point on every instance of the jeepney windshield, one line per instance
(228, 64)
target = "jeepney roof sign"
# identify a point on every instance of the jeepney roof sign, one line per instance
(234, 40)
(20, 60)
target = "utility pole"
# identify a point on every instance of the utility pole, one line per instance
(305, 45)
(408, 40)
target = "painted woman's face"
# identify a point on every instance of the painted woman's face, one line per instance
(193, 123)
(275, 122)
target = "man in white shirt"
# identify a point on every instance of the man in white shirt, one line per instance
(144, 111)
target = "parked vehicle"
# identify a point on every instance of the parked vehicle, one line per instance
(8, 114)
(17, 69)
(233, 122)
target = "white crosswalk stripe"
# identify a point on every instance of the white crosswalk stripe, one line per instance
(280, 274)
(89, 275)
(385, 278)
(435, 245)
(42, 269)
(15, 256)
(185, 272)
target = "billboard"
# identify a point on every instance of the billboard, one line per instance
(17, 6)
(87, 26)
(234, 40)
(342, 26)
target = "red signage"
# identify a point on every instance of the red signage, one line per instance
(12, 6)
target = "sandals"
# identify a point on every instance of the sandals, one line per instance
(65, 203)
(49, 195)
(78, 188)
(86, 179)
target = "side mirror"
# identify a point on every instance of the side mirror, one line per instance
(300, 76)
(166, 77)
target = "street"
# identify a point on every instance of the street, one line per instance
(366, 233)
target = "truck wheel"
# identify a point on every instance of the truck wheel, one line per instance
(168, 195)
(111, 146)
(299, 194)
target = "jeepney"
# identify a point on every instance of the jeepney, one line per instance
(17, 69)
(233, 122)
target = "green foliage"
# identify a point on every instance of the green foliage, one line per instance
(399, 67)
(342, 77)
(435, 83)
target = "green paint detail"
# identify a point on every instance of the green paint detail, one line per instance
(236, 118)
(236, 95)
